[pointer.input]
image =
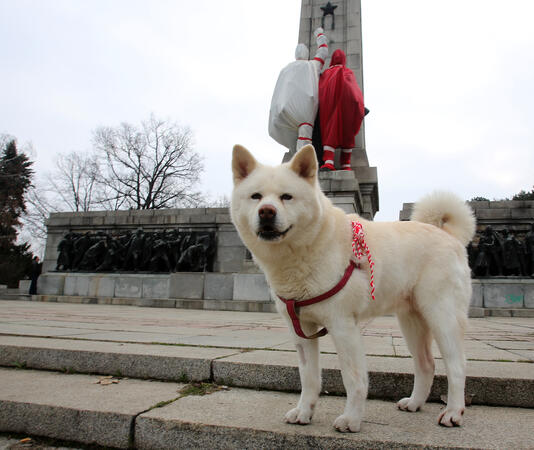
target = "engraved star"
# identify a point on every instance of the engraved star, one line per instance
(328, 9)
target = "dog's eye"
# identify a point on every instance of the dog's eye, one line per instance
(286, 197)
(256, 196)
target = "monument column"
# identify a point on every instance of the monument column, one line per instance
(342, 23)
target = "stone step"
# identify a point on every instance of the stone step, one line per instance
(488, 382)
(15, 296)
(220, 305)
(141, 414)
(214, 305)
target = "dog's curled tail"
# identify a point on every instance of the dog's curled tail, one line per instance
(447, 211)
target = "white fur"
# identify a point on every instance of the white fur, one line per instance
(421, 273)
(445, 210)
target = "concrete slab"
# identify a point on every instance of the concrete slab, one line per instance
(102, 286)
(219, 286)
(128, 287)
(156, 287)
(243, 330)
(187, 285)
(491, 383)
(51, 284)
(161, 362)
(30, 330)
(74, 408)
(76, 285)
(477, 298)
(241, 418)
(503, 295)
(249, 286)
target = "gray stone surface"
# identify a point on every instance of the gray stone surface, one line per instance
(102, 286)
(240, 418)
(218, 286)
(156, 287)
(517, 216)
(477, 312)
(503, 294)
(187, 285)
(251, 287)
(73, 407)
(160, 362)
(155, 302)
(50, 283)
(153, 415)
(24, 286)
(477, 298)
(529, 295)
(128, 286)
(224, 340)
(229, 239)
(76, 285)
(500, 384)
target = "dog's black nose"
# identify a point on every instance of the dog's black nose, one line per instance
(267, 213)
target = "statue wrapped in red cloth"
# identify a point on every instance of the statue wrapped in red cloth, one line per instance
(341, 111)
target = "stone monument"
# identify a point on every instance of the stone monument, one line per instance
(139, 257)
(356, 190)
(501, 256)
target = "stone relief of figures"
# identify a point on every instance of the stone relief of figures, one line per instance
(150, 251)
(502, 254)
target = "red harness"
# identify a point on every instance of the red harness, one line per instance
(358, 247)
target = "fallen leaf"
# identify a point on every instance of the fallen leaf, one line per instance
(107, 380)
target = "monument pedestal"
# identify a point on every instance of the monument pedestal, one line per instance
(354, 191)
(350, 193)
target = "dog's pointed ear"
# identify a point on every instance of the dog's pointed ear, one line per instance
(243, 163)
(304, 163)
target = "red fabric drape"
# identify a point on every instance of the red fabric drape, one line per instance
(341, 107)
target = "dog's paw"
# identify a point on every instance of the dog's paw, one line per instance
(408, 404)
(347, 424)
(299, 416)
(451, 417)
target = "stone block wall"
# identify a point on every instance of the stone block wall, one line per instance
(516, 215)
(230, 254)
(507, 293)
(181, 285)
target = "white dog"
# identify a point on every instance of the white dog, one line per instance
(304, 245)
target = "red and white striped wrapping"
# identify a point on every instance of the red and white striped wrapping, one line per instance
(359, 246)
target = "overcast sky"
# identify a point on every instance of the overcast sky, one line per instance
(450, 84)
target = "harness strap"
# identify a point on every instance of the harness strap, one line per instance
(359, 247)
(292, 304)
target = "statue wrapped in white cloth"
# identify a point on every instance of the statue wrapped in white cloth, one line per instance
(296, 96)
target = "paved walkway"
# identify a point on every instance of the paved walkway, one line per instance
(138, 359)
(487, 339)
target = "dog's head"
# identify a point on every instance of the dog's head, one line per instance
(275, 204)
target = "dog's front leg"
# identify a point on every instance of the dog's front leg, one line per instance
(351, 354)
(310, 376)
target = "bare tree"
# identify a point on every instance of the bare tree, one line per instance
(74, 181)
(71, 186)
(38, 209)
(221, 201)
(148, 167)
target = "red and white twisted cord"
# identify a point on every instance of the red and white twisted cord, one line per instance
(359, 246)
